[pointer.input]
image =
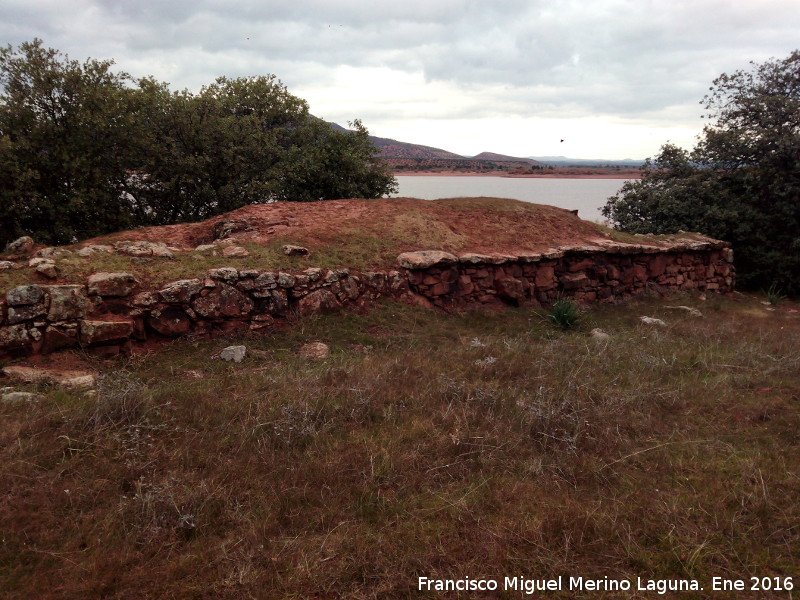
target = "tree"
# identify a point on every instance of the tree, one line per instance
(209, 153)
(329, 164)
(65, 127)
(740, 183)
(84, 151)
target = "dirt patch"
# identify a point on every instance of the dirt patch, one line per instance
(402, 224)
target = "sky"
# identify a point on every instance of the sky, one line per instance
(611, 78)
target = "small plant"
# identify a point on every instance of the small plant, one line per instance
(774, 295)
(564, 313)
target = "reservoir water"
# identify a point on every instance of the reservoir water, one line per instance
(586, 195)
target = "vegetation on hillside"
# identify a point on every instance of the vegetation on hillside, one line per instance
(477, 445)
(741, 183)
(86, 151)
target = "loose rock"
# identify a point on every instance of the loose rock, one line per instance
(315, 350)
(94, 249)
(66, 302)
(23, 246)
(68, 379)
(233, 353)
(235, 252)
(19, 397)
(181, 291)
(318, 301)
(291, 250)
(142, 248)
(53, 252)
(652, 321)
(47, 269)
(692, 311)
(96, 332)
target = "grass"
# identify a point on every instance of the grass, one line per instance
(564, 313)
(480, 445)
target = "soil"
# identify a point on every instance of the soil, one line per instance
(482, 225)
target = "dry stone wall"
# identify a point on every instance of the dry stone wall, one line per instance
(111, 311)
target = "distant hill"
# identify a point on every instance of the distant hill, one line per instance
(408, 155)
(390, 148)
(393, 149)
(504, 158)
(563, 161)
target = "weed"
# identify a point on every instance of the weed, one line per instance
(564, 313)
(774, 294)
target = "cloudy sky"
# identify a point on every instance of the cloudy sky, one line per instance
(612, 78)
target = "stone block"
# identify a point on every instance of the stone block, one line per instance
(573, 281)
(425, 259)
(111, 284)
(181, 291)
(24, 295)
(67, 302)
(318, 301)
(510, 289)
(223, 301)
(545, 277)
(20, 314)
(14, 336)
(97, 332)
(170, 321)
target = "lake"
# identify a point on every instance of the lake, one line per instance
(587, 195)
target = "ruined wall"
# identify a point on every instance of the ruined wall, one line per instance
(111, 310)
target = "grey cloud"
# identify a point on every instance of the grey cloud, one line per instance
(616, 57)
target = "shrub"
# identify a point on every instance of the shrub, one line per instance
(564, 313)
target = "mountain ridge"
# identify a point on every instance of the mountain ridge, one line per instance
(394, 150)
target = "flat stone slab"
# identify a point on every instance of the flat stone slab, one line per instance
(111, 284)
(69, 379)
(96, 332)
(424, 259)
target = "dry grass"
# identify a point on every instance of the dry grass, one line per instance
(481, 445)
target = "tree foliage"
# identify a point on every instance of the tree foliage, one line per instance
(85, 151)
(740, 183)
(65, 127)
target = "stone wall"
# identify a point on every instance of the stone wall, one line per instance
(111, 311)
